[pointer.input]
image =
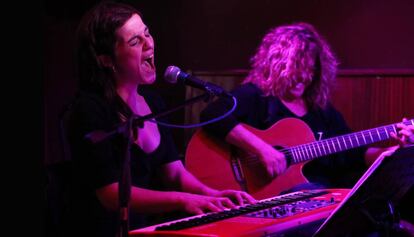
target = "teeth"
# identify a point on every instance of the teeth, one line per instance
(148, 60)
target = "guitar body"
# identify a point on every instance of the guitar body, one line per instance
(212, 161)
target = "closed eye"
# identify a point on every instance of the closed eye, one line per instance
(139, 38)
(134, 40)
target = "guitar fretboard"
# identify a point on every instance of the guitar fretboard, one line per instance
(329, 146)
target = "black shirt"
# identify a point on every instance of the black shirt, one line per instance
(253, 108)
(97, 165)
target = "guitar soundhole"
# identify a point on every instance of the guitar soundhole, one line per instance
(278, 147)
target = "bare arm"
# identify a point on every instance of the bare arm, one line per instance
(175, 173)
(373, 153)
(273, 160)
(151, 201)
(196, 197)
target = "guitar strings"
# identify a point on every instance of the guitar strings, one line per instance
(307, 149)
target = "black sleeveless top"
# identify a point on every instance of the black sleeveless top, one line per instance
(97, 165)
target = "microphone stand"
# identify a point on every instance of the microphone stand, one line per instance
(124, 190)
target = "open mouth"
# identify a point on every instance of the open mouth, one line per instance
(149, 62)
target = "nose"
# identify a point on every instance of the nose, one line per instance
(148, 42)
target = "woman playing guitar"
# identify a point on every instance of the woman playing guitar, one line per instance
(292, 73)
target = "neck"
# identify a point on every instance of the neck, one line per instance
(128, 92)
(296, 106)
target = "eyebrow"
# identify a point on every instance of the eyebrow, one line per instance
(136, 36)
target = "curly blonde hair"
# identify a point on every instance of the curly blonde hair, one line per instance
(290, 54)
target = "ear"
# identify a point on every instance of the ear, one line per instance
(105, 61)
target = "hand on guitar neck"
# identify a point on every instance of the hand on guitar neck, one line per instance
(405, 134)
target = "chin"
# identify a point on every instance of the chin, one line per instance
(292, 97)
(296, 94)
(150, 80)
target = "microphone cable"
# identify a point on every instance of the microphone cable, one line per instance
(196, 125)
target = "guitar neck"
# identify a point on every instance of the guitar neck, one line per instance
(329, 146)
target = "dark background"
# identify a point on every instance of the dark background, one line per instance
(222, 35)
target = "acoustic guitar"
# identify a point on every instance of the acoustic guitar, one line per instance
(222, 166)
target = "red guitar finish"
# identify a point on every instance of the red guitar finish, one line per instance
(217, 164)
(210, 160)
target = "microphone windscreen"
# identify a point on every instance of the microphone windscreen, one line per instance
(171, 74)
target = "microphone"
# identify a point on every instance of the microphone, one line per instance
(173, 74)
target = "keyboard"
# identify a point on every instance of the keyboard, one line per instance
(271, 215)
